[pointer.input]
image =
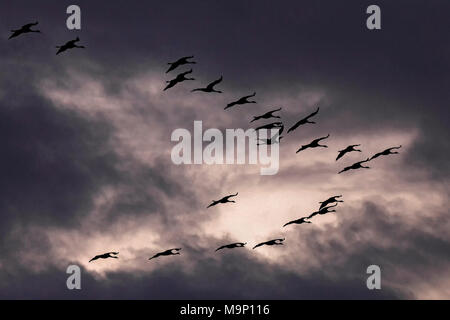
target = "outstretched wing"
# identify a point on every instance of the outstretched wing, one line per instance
(212, 84)
(95, 258)
(341, 154)
(313, 114)
(259, 245)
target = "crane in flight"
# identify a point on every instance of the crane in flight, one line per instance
(243, 100)
(275, 242)
(330, 200)
(298, 221)
(170, 252)
(105, 256)
(24, 29)
(350, 148)
(267, 115)
(223, 200)
(386, 152)
(314, 144)
(304, 121)
(323, 211)
(180, 62)
(356, 165)
(232, 246)
(69, 45)
(210, 87)
(179, 78)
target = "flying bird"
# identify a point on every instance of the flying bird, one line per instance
(357, 165)
(223, 200)
(24, 29)
(210, 87)
(322, 211)
(243, 100)
(298, 221)
(233, 245)
(179, 62)
(267, 115)
(304, 121)
(314, 144)
(386, 152)
(329, 201)
(105, 256)
(170, 252)
(350, 148)
(69, 45)
(179, 78)
(275, 242)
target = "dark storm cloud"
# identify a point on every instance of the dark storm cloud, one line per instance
(54, 161)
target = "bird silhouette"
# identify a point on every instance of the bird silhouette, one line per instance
(170, 252)
(267, 115)
(232, 245)
(275, 242)
(330, 200)
(322, 211)
(210, 87)
(105, 256)
(357, 165)
(314, 144)
(179, 78)
(179, 62)
(243, 100)
(303, 121)
(223, 200)
(298, 221)
(350, 148)
(386, 152)
(69, 45)
(24, 29)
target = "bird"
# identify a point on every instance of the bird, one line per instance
(314, 144)
(210, 87)
(105, 256)
(329, 201)
(179, 62)
(24, 29)
(322, 211)
(170, 252)
(223, 200)
(386, 152)
(275, 242)
(298, 221)
(243, 100)
(179, 78)
(304, 121)
(267, 115)
(69, 45)
(350, 148)
(357, 165)
(232, 245)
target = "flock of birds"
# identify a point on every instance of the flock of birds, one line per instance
(72, 44)
(325, 206)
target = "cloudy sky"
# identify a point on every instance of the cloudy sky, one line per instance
(86, 165)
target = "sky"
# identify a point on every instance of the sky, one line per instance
(86, 150)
